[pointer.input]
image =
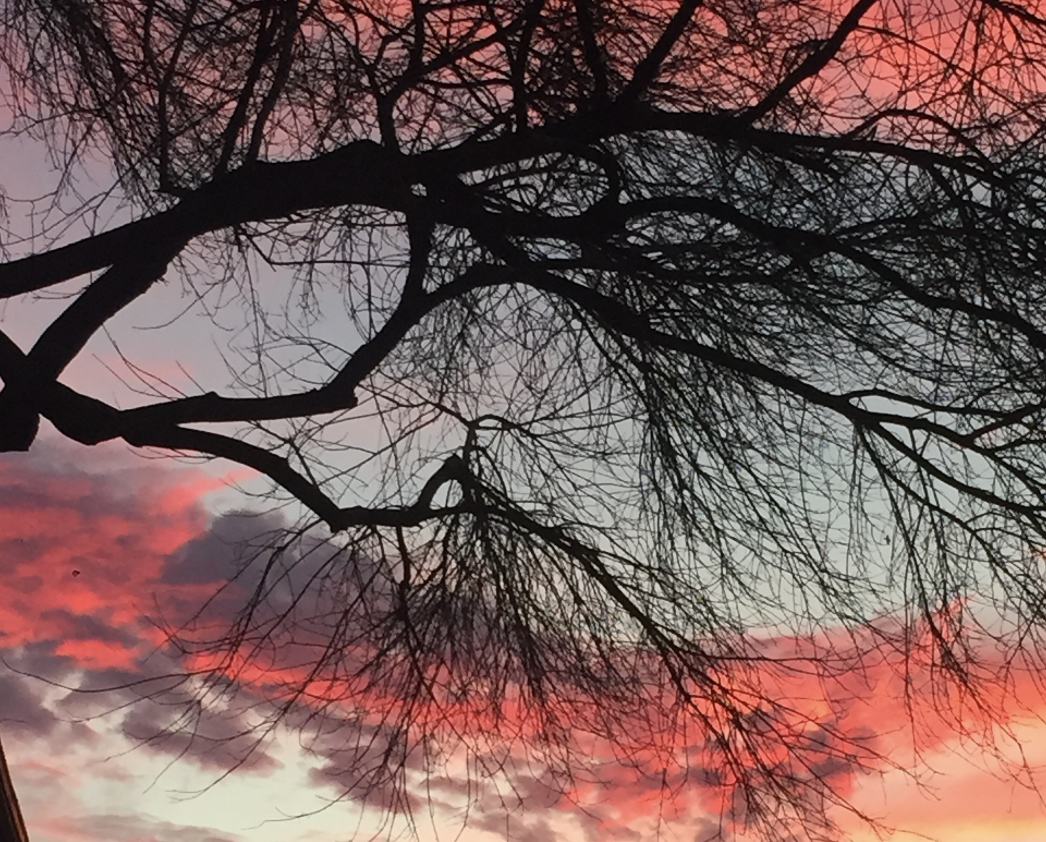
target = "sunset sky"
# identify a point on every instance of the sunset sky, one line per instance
(92, 542)
(104, 549)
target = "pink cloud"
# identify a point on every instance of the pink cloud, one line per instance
(139, 541)
(81, 553)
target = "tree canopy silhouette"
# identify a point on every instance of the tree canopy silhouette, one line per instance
(684, 347)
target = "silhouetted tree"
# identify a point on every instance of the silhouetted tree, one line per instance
(684, 347)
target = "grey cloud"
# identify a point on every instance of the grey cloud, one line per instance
(116, 827)
(516, 827)
(369, 763)
(219, 741)
(85, 627)
(38, 658)
(22, 710)
(219, 553)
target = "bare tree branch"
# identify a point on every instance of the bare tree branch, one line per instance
(608, 337)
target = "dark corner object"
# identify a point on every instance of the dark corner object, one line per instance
(12, 827)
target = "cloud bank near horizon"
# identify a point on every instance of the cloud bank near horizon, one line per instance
(95, 551)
